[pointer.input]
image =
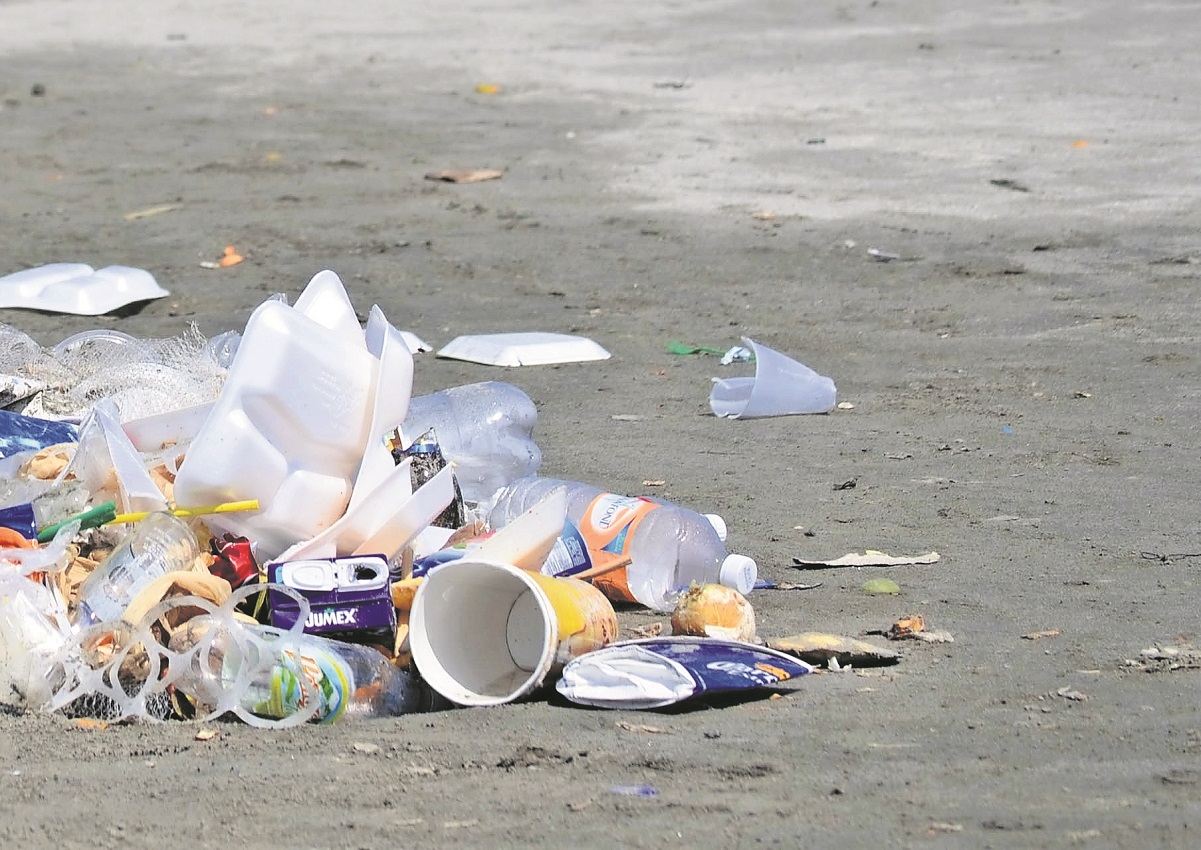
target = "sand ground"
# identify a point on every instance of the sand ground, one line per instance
(1024, 375)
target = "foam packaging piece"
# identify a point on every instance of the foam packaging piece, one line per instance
(78, 288)
(294, 420)
(523, 349)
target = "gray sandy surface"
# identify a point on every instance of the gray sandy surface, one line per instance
(1024, 378)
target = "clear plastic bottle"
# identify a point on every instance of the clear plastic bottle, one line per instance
(485, 429)
(267, 675)
(159, 544)
(670, 547)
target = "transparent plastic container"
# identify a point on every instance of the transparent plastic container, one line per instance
(60, 502)
(275, 675)
(159, 544)
(670, 547)
(485, 429)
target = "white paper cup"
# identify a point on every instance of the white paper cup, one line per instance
(486, 633)
(781, 387)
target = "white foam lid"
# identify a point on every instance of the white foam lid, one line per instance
(523, 349)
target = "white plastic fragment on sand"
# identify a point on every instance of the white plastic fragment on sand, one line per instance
(870, 558)
(78, 288)
(523, 349)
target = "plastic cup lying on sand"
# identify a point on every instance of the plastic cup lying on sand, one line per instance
(781, 387)
(487, 633)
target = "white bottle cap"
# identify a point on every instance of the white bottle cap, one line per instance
(738, 572)
(719, 525)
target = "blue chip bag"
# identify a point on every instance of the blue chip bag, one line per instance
(661, 671)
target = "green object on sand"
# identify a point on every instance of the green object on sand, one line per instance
(881, 586)
(674, 347)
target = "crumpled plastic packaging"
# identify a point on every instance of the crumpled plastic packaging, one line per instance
(34, 627)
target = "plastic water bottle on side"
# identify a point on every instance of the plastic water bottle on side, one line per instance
(669, 547)
(485, 429)
(159, 544)
(267, 675)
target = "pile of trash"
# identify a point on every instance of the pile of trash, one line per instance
(268, 525)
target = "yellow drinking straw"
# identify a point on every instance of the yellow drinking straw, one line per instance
(223, 508)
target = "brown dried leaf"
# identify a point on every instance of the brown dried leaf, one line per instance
(652, 630)
(460, 824)
(642, 727)
(818, 648)
(465, 175)
(207, 734)
(941, 827)
(931, 636)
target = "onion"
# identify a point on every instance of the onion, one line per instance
(716, 611)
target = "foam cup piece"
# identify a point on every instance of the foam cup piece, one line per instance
(781, 387)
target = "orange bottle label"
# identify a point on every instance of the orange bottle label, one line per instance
(608, 527)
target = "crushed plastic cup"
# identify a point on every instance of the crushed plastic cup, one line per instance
(781, 387)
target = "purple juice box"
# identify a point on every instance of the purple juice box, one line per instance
(350, 598)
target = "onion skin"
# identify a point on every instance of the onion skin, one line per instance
(716, 611)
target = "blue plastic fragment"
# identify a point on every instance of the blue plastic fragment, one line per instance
(633, 790)
(20, 519)
(19, 433)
